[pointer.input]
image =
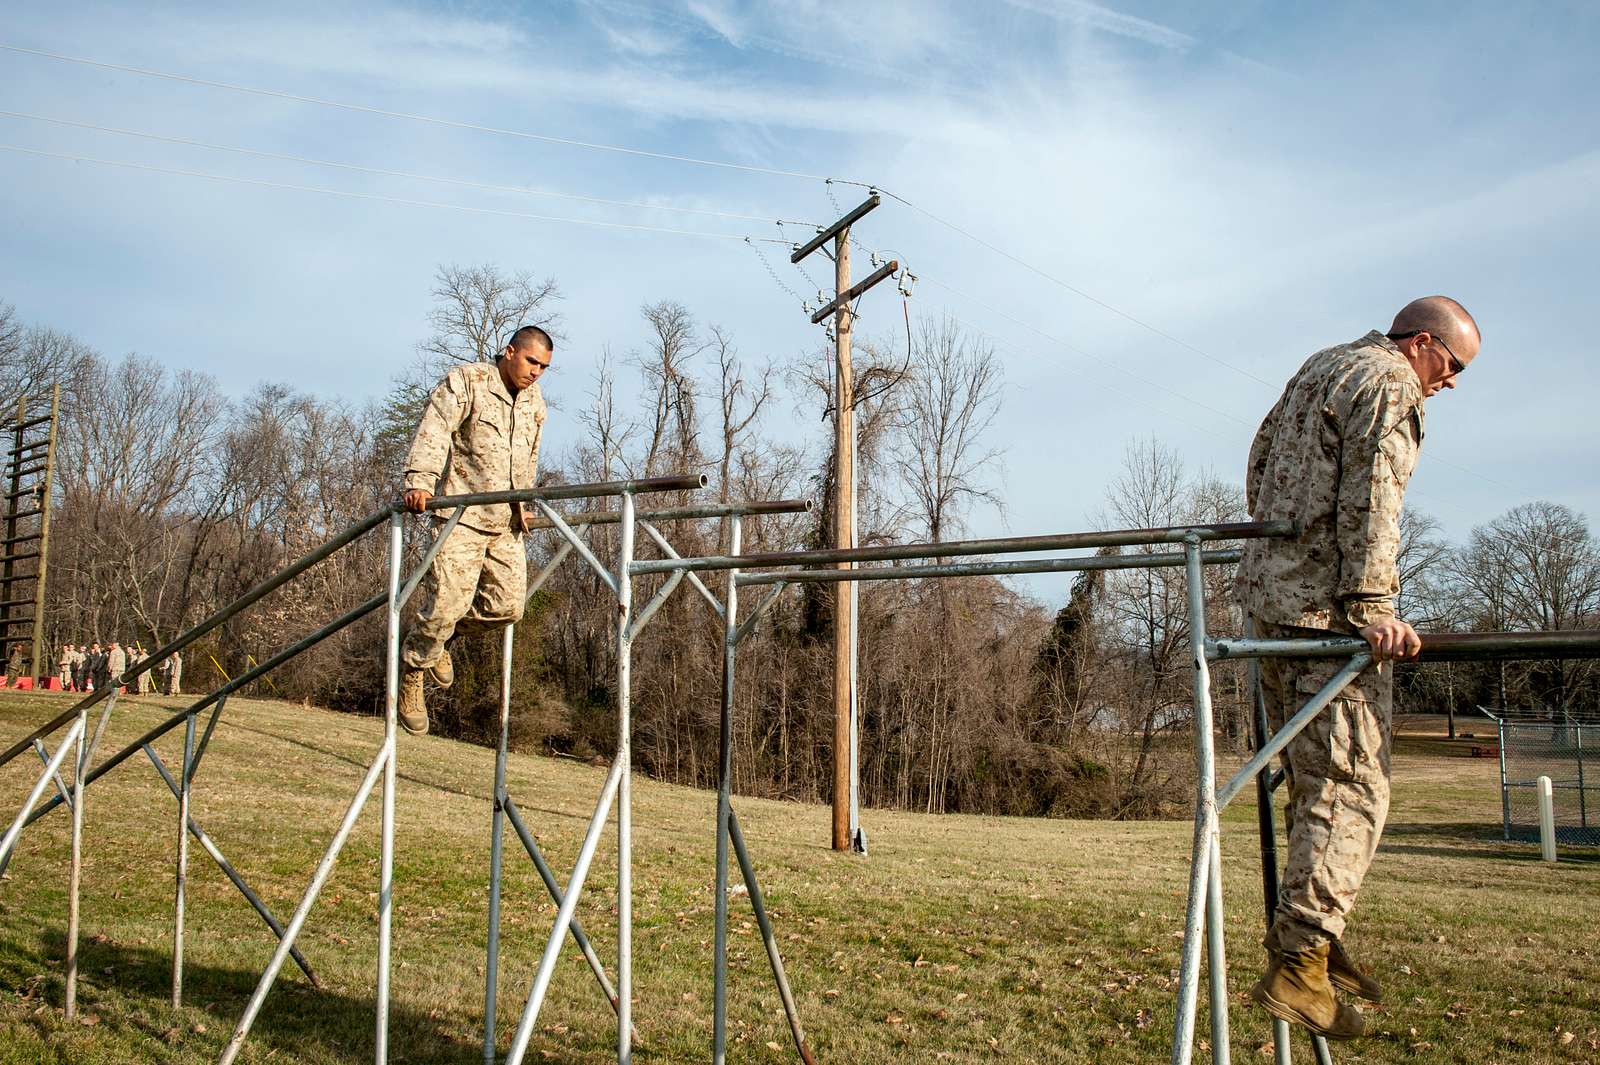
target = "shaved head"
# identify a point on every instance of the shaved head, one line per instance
(1443, 317)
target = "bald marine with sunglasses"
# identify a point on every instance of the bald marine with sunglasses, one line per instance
(1335, 455)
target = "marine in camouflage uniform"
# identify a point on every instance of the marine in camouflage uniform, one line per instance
(479, 432)
(1335, 455)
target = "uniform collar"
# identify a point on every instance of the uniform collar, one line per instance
(498, 386)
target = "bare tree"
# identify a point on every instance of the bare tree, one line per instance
(476, 309)
(740, 403)
(951, 399)
(673, 425)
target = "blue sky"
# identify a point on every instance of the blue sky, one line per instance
(1253, 180)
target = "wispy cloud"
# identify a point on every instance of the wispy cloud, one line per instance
(1107, 20)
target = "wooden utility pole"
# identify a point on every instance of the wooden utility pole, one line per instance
(846, 833)
(844, 535)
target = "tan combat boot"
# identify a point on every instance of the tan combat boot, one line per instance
(412, 711)
(1343, 974)
(1296, 989)
(443, 672)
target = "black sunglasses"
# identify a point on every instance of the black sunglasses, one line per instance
(1456, 365)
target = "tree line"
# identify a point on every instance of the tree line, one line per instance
(171, 499)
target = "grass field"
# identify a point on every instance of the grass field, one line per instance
(961, 939)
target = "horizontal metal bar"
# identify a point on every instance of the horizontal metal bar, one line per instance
(708, 510)
(1436, 646)
(843, 299)
(641, 486)
(1291, 728)
(825, 235)
(970, 569)
(1008, 545)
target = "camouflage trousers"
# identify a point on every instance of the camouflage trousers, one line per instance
(478, 579)
(1337, 772)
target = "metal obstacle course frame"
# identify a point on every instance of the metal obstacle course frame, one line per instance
(776, 579)
(1203, 916)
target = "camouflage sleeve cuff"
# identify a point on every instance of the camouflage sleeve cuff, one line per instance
(1364, 612)
(417, 479)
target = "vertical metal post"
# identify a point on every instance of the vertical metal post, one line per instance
(182, 879)
(1583, 799)
(1505, 790)
(380, 1053)
(730, 640)
(497, 830)
(75, 873)
(1204, 911)
(1267, 830)
(625, 787)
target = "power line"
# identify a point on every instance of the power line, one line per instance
(1084, 354)
(279, 94)
(399, 201)
(1097, 301)
(523, 189)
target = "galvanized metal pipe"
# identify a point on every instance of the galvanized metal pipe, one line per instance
(730, 642)
(531, 845)
(1436, 646)
(1292, 728)
(354, 532)
(648, 611)
(61, 785)
(774, 955)
(75, 872)
(1202, 913)
(205, 738)
(564, 913)
(271, 584)
(391, 700)
(497, 819)
(766, 603)
(671, 552)
(74, 734)
(973, 569)
(182, 875)
(702, 510)
(638, 486)
(1245, 530)
(1266, 833)
(324, 869)
(231, 873)
(578, 545)
(625, 790)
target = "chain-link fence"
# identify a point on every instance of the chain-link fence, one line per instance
(1568, 752)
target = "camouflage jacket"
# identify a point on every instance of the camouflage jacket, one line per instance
(1335, 455)
(474, 437)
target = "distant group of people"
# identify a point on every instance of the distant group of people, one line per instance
(88, 668)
